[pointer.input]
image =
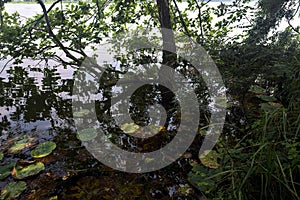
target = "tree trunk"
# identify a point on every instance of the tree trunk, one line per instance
(169, 59)
(166, 75)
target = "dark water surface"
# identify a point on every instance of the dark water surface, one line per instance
(41, 110)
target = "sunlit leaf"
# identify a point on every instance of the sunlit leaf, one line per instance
(13, 189)
(210, 159)
(43, 149)
(87, 134)
(1, 155)
(23, 170)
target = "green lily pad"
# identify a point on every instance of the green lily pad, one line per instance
(22, 170)
(1, 155)
(155, 129)
(87, 134)
(20, 144)
(147, 131)
(5, 171)
(12, 190)
(129, 127)
(17, 147)
(210, 159)
(81, 113)
(43, 149)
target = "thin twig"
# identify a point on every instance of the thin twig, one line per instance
(6, 65)
(181, 19)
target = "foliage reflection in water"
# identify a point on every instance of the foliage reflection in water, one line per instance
(34, 113)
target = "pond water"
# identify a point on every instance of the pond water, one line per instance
(40, 113)
(36, 107)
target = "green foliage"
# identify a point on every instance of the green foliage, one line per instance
(263, 164)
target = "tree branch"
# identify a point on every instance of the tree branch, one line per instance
(41, 17)
(181, 19)
(56, 40)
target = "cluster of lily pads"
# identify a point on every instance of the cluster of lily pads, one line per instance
(22, 169)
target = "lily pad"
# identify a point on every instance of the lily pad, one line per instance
(81, 113)
(129, 127)
(210, 159)
(87, 134)
(155, 129)
(13, 189)
(43, 149)
(147, 131)
(20, 144)
(23, 170)
(5, 171)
